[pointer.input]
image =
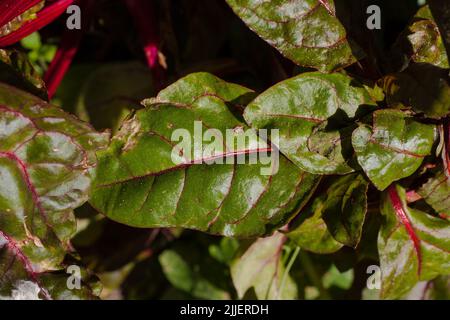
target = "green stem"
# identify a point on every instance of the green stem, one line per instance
(288, 269)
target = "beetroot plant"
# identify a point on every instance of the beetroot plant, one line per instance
(224, 149)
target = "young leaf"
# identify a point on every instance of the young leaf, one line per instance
(306, 31)
(345, 208)
(422, 87)
(261, 267)
(422, 41)
(47, 160)
(393, 147)
(310, 231)
(139, 184)
(17, 71)
(412, 244)
(312, 112)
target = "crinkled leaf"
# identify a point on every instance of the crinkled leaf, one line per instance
(345, 208)
(412, 244)
(422, 87)
(139, 184)
(17, 71)
(422, 42)
(47, 160)
(261, 267)
(393, 147)
(312, 112)
(105, 99)
(436, 192)
(306, 31)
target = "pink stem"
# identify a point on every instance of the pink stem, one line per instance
(403, 217)
(67, 50)
(144, 19)
(44, 17)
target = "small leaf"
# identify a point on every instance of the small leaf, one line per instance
(16, 70)
(421, 87)
(47, 160)
(306, 31)
(412, 244)
(139, 184)
(312, 112)
(311, 232)
(345, 208)
(422, 41)
(393, 147)
(261, 267)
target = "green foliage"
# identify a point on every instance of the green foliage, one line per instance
(361, 177)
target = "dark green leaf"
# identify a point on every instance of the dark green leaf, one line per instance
(422, 87)
(105, 99)
(345, 208)
(422, 42)
(310, 232)
(16, 70)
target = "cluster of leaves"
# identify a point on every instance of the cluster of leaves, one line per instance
(364, 167)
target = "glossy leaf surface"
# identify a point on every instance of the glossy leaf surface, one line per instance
(312, 112)
(47, 161)
(306, 31)
(139, 184)
(413, 245)
(393, 147)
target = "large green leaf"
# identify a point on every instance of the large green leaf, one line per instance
(412, 244)
(393, 147)
(306, 31)
(139, 184)
(261, 267)
(312, 112)
(47, 160)
(436, 192)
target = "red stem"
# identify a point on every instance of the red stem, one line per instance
(67, 50)
(144, 19)
(44, 17)
(397, 204)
